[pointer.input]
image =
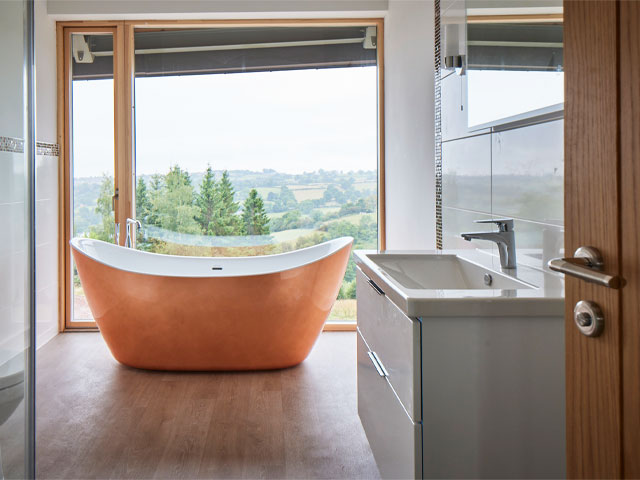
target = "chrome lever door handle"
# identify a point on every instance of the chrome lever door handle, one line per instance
(586, 264)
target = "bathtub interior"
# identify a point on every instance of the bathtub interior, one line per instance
(137, 261)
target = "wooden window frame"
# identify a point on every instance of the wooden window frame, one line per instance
(124, 125)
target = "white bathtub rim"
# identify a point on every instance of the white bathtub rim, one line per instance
(280, 262)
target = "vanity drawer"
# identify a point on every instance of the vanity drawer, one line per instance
(395, 339)
(395, 440)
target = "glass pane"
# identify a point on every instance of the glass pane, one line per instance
(257, 151)
(92, 154)
(513, 69)
(14, 257)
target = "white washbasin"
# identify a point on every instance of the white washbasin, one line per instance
(455, 283)
(442, 272)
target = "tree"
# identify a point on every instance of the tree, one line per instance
(286, 201)
(104, 208)
(254, 216)
(156, 186)
(143, 206)
(173, 203)
(225, 221)
(207, 202)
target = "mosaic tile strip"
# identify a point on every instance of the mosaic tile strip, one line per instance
(9, 144)
(438, 127)
(48, 149)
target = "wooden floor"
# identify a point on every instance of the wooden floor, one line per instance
(99, 419)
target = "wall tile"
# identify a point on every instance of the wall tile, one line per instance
(12, 280)
(12, 217)
(466, 173)
(11, 177)
(528, 172)
(454, 105)
(537, 243)
(46, 313)
(455, 222)
(46, 221)
(46, 265)
(46, 247)
(46, 177)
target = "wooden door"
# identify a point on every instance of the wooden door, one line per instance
(602, 181)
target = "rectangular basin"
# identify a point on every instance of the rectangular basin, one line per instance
(442, 272)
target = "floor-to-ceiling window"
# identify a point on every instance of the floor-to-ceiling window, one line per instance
(92, 159)
(245, 140)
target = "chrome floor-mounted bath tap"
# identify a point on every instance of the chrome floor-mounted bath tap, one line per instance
(128, 243)
(504, 238)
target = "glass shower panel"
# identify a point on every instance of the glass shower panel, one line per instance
(16, 432)
(92, 154)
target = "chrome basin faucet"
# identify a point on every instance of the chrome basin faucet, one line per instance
(131, 221)
(504, 238)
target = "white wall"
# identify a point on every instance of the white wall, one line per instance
(46, 106)
(133, 9)
(409, 124)
(11, 56)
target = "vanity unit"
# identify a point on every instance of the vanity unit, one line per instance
(460, 366)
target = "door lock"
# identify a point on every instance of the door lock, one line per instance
(589, 318)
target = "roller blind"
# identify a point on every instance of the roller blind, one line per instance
(234, 50)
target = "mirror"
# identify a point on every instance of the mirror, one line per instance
(514, 61)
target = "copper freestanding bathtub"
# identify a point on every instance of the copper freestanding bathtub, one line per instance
(165, 312)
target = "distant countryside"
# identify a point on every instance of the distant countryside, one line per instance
(240, 213)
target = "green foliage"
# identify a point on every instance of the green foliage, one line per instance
(285, 201)
(105, 229)
(143, 205)
(254, 217)
(226, 221)
(207, 201)
(291, 220)
(347, 290)
(362, 205)
(333, 193)
(173, 203)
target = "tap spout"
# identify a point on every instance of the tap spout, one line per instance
(504, 238)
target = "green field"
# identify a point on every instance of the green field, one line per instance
(354, 219)
(302, 194)
(326, 210)
(360, 186)
(264, 191)
(276, 214)
(288, 235)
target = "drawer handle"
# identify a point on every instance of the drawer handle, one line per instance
(378, 364)
(377, 289)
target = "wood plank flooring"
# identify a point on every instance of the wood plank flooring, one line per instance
(99, 419)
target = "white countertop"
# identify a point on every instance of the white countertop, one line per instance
(545, 297)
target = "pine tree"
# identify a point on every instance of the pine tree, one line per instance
(207, 201)
(143, 207)
(254, 216)
(225, 221)
(154, 193)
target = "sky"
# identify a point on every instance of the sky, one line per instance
(498, 94)
(289, 121)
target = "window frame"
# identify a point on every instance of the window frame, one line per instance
(124, 128)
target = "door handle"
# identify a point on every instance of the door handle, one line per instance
(375, 287)
(586, 264)
(377, 364)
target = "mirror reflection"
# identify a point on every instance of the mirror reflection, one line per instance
(514, 64)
